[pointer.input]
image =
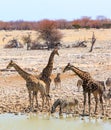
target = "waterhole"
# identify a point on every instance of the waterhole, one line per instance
(51, 122)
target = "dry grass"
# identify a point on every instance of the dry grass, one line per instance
(69, 36)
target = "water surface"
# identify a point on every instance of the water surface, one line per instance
(46, 122)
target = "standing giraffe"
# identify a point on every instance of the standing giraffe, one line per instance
(57, 80)
(92, 42)
(89, 86)
(46, 73)
(33, 84)
(79, 84)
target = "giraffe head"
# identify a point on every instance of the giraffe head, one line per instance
(10, 64)
(56, 103)
(68, 67)
(55, 51)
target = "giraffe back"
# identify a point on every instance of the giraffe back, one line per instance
(93, 85)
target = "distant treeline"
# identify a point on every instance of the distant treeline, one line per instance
(84, 22)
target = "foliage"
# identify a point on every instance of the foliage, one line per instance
(26, 39)
(13, 44)
(83, 22)
(107, 25)
(38, 46)
(49, 33)
(76, 26)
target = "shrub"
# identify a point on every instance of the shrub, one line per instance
(49, 33)
(13, 44)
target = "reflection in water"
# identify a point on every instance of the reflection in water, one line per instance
(48, 122)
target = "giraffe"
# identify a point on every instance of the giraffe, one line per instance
(89, 86)
(108, 82)
(92, 42)
(107, 97)
(80, 82)
(33, 84)
(46, 72)
(57, 80)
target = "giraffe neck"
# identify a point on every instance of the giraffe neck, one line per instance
(21, 72)
(82, 74)
(48, 69)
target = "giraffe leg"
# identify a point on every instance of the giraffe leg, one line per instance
(77, 108)
(84, 102)
(78, 88)
(47, 100)
(42, 102)
(57, 85)
(35, 94)
(96, 100)
(60, 84)
(106, 104)
(48, 86)
(101, 101)
(60, 111)
(89, 101)
(61, 107)
(30, 101)
(48, 89)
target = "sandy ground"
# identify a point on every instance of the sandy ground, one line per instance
(13, 91)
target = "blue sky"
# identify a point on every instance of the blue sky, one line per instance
(35, 10)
